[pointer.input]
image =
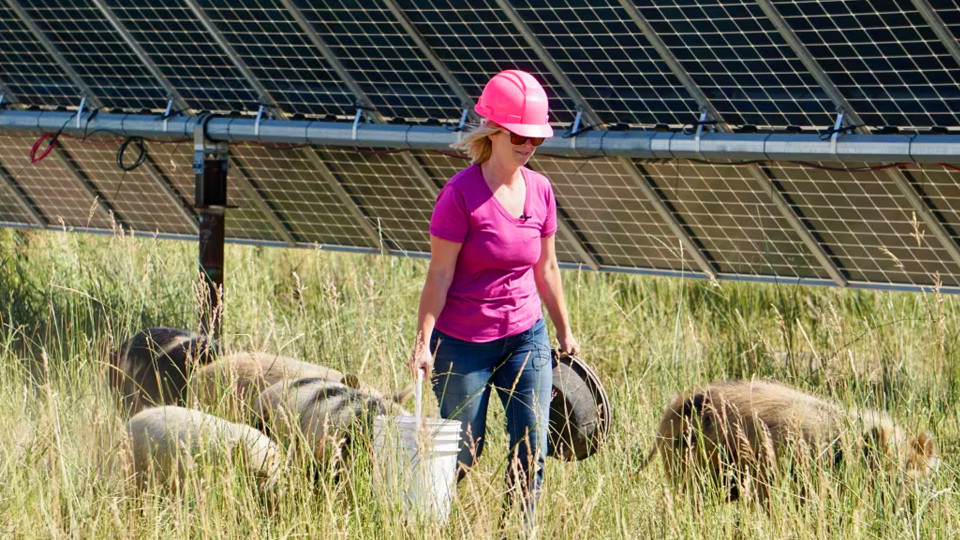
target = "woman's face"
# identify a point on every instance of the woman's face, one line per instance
(507, 152)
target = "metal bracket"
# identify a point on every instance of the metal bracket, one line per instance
(575, 128)
(202, 146)
(256, 123)
(700, 124)
(167, 113)
(83, 103)
(356, 124)
(836, 133)
(462, 125)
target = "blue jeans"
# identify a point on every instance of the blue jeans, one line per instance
(520, 368)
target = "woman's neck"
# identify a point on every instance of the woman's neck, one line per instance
(500, 172)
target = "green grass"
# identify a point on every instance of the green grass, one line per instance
(65, 299)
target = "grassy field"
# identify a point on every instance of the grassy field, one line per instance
(65, 299)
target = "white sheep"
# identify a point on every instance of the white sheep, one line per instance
(168, 442)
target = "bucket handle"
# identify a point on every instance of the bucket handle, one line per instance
(418, 398)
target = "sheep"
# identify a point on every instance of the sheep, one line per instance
(327, 415)
(168, 442)
(739, 433)
(232, 383)
(238, 379)
(152, 367)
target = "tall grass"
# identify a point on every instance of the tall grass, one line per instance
(65, 299)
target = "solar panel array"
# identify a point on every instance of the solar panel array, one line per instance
(762, 65)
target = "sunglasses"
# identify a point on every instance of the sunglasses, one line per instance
(520, 139)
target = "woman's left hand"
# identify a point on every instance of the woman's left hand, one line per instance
(569, 344)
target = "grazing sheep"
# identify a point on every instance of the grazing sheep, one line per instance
(322, 414)
(170, 441)
(153, 366)
(738, 434)
(232, 383)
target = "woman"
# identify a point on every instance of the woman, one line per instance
(491, 252)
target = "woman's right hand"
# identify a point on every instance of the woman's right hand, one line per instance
(421, 359)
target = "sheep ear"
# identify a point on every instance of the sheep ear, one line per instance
(876, 439)
(402, 396)
(925, 444)
(351, 380)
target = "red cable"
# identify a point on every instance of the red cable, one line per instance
(852, 169)
(948, 166)
(46, 152)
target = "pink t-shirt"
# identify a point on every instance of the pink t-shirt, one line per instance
(493, 293)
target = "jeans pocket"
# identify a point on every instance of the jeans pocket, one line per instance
(542, 357)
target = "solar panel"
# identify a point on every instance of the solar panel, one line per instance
(370, 43)
(305, 202)
(884, 58)
(96, 52)
(949, 13)
(14, 206)
(268, 40)
(177, 43)
(606, 208)
(941, 189)
(59, 196)
(764, 65)
(136, 194)
(867, 224)
(475, 40)
(741, 62)
(611, 63)
(28, 70)
(391, 195)
(726, 213)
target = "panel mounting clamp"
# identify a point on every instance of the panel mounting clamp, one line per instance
(462, 125)
(836, 132)
(574, 128)
(356, 124)
(256, 123)
(700, 124)
(83, 103)
(699, 132)
(167, 113)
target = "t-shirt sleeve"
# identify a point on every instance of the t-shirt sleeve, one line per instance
(550, 220)
(450, 220)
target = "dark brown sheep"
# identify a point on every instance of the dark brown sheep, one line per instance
(152, 367)
(740, 434)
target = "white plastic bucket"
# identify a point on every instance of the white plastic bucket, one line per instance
(416, 467)
(415, 464)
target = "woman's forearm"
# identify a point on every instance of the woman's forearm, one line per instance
(432, 300)
(550, 287)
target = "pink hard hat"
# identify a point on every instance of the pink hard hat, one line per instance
(516, 101)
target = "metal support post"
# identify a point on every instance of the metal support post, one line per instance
(210, 164)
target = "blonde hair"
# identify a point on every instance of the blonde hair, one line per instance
(476, 141)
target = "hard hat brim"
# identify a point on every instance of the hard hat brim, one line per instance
(530, 130)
